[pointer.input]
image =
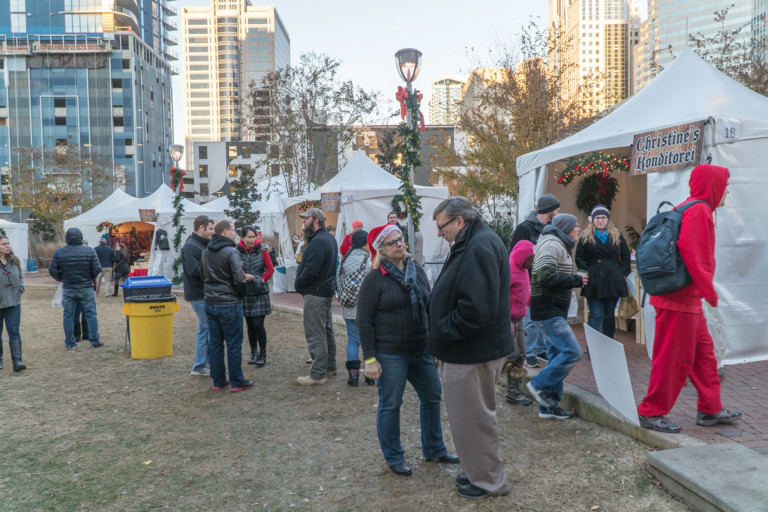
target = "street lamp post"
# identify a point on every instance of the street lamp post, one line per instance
(408, 65)
(176, 151)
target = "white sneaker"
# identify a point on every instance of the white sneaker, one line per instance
(205, 372)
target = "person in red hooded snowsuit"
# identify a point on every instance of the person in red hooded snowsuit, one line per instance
(682, 345)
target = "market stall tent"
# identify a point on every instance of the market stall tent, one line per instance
(116, 208)
(18, 237)
(366, 191)
(688, 90)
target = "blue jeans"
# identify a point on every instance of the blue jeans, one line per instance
(353, 341)
(201, 342)
(534, 342)
(418, 369)
(563, 352)
(11, 317)
(225, 324)
(71, 298)
(601, 315)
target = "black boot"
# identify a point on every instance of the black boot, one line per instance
(254, 352)
(1, 354)
(261, 359)
(353, 368)
(76, 332)
(16, 355)
(370, 382)
(514, 396)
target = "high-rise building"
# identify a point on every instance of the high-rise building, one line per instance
(444, 102)
(91, 74)
(665, 32)
(596, 38)
(227, 47)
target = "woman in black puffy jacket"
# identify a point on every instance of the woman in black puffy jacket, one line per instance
(122, 264)
(602, 252)
(258, 268)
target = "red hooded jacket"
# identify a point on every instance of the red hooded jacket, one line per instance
(519, 280)
(697, 241)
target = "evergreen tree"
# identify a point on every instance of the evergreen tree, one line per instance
(242, 196)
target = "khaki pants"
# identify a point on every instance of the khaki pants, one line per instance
(106, 275)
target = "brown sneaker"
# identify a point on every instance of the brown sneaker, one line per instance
(309, 381)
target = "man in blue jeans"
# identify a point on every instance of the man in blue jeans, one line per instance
(551, 285)
(193, 288)
(225, 286)
(76, 266)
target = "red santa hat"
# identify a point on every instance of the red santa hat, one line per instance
(377, 235)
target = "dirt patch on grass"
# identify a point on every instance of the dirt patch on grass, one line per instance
(93, 429)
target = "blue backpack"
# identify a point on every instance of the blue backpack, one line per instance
(659, 264)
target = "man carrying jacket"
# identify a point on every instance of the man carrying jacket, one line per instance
(76, 266)
(316, 281)
(530, 229)
(193, 288)
(225, 287)
(682, 345)
(470, 333)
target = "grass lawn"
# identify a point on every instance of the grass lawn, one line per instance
(94, 430)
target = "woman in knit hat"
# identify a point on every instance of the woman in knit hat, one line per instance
(392, 322)
(354, 260)
(603, 254)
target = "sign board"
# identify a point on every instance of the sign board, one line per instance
(676, 147)
(330, 201)
(147, 215)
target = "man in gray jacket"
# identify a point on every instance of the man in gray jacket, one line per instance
(225, 287)
(76, 266)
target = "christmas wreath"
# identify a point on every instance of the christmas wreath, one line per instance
(309, 203)
(599, 187)
(106, 224)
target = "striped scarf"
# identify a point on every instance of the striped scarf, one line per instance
(407, 280)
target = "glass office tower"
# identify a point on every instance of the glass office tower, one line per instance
(94, 73)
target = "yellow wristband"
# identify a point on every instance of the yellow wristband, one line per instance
(370, 360)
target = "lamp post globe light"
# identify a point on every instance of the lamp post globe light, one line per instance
(176, 151)
(408, 65)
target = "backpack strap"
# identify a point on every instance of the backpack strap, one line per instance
(687, 205)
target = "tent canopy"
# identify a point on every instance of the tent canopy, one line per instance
(270, 207)
(673, 97)
(366, 195)
(18, 237)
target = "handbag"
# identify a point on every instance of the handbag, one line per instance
(351, 286)
(627, 305)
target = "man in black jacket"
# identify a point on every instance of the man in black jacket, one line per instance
(225, 286)
(530, 229)
(105, 254)
(470, 333)
(76, 266)
(193, 287)
(316, 281)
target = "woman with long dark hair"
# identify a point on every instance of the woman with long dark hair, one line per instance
(258, 268)
(603, 254)
(392, 323)
(11, 288)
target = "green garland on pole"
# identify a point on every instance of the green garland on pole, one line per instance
(408, 146)
(178, 205)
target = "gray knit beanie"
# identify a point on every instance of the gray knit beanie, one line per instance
(547, 203)
(565, 222)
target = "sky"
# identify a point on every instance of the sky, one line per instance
(452, 35)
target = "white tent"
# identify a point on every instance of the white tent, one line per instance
(688, 90)
(18, 237)
(270, 207)
(366, 195)
(117, 208)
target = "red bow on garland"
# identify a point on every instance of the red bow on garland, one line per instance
(402, 95)
(181, 179)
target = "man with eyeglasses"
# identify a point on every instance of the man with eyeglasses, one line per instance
(316, 281)
(225, 287)
(470, 333)
(193, 288)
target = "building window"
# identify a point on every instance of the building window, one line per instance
(232, 151)
(204, 189)
(233, 171)
(59, 102)
(117, 121)
(60, 121)
(203, 170)
(202, 152)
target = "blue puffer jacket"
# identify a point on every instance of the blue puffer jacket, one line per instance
(75, 265)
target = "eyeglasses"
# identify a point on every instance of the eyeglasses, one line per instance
(440, 228)
(600, 217)
(396, 241)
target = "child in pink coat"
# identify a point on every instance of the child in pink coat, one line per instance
(520, 260)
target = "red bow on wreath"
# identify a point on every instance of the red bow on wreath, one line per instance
(181, 179)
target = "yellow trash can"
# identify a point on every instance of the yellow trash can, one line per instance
(150, 325)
